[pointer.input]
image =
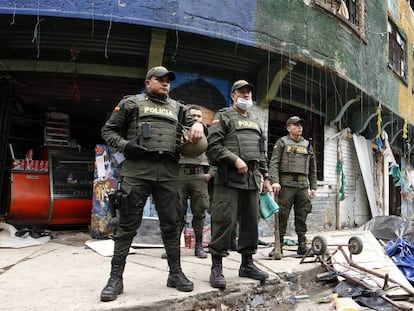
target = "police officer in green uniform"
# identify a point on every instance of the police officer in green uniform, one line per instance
(145, 127)
(237, 146)
(195, 173)
(292, 171)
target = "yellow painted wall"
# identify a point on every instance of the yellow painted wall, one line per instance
(406, 96)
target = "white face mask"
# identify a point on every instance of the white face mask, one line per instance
(243, 103)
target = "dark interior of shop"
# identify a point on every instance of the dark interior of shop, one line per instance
(38, 94)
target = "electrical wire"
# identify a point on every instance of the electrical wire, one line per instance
(176, 46)
(109, 30)
(36, 31)
(14, 14)
(93, 18)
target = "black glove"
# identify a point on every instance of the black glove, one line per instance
(133, 150)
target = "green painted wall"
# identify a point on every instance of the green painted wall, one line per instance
(298, 29)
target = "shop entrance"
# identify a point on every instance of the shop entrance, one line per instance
(52, 134)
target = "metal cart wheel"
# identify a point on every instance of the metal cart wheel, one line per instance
(355, 245)
(319, 245)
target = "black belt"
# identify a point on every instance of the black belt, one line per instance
(192, 169)
(293, 177)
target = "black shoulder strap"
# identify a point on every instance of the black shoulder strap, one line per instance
(310, 146)
(181, 114)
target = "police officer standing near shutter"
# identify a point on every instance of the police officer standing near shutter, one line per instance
(237, 146)
(195, 173)
(292, 171)
(144, 127)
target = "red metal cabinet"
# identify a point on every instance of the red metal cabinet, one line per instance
(61, 196)
(71, 175)
(71, 211)
(29, 198)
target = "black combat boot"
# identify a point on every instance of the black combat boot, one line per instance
(115, 285)
(263, 243)
(217, 279)
(249, 270)
(272, 252)
(176, 277)
(198, 249)
(302, 248)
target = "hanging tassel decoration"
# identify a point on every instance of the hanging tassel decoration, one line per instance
(340, 170)
(405, 129)
(378, 139)
(399, 178)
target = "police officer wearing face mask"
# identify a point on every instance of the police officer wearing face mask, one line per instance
(237, 146)
(145, 127)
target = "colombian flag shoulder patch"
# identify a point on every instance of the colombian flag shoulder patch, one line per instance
(215, 121)
(116, 109)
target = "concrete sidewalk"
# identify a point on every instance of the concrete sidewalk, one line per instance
(63, 274)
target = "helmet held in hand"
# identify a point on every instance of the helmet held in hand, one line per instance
(192, 150)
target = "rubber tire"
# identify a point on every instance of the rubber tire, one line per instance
(355, 245)
(319, 245)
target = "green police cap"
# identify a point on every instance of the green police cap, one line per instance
(160, 71)
(294, 120)
(239, 84)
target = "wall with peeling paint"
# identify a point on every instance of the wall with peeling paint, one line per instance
(294, 28)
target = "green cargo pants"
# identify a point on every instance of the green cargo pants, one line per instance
(302, 206)
(230, 206)
(168, 206)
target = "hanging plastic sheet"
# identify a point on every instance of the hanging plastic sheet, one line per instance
(389, 228)
(402, 253)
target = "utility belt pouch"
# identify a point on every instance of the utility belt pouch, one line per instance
(230, 177)
(262, 144)
(124, 203)
(146, 130)
(115, 201)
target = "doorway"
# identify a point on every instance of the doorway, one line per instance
(313, 129)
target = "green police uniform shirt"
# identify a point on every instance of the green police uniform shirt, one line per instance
(123, 126)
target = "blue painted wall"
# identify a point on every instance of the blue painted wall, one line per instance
(291, 27)
(222, 85)
(213, 18)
